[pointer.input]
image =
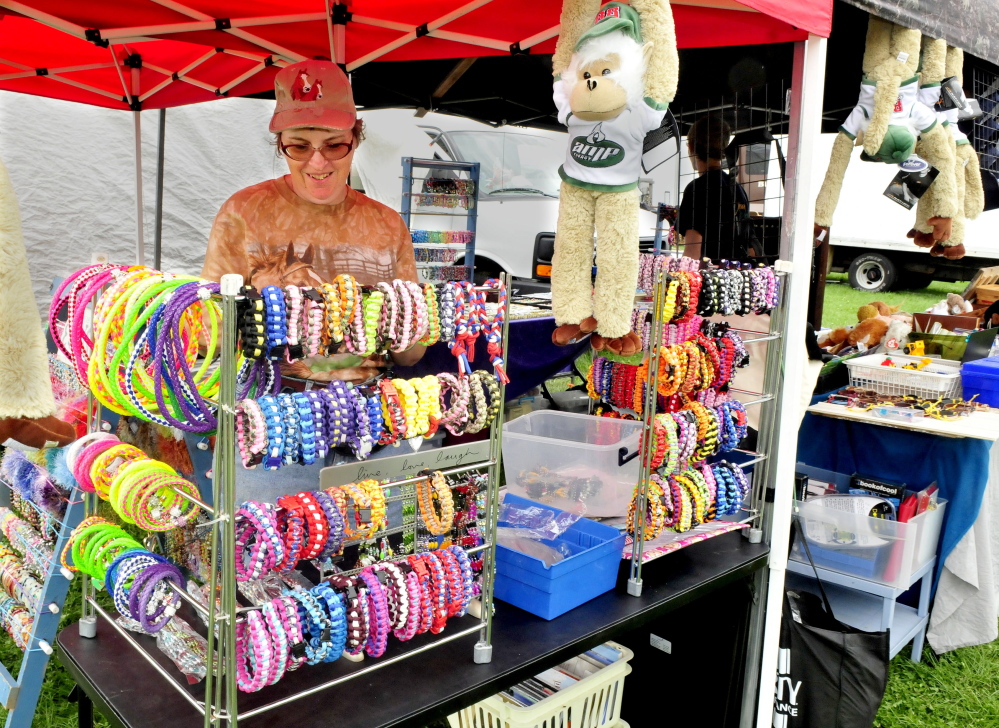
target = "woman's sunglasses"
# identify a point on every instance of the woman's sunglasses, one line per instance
(304, 152)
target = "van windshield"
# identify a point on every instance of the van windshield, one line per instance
(511, 164)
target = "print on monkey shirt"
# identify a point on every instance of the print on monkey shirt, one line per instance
(605, 156)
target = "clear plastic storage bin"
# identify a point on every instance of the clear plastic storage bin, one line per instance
(875, 549)
(574, 462)
(593, 702)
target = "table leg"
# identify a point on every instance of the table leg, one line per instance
(84, 711)
(887, 612)
(917, 645)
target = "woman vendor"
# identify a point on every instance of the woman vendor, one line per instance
(309, 226)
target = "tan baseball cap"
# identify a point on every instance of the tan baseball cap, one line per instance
(312, 93)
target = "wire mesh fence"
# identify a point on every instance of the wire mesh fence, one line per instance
(986, 130)
(735, 189)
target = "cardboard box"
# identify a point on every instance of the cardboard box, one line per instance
(987, 293)
(922, 322)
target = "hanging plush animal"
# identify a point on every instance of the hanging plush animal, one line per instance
(938, 64)
(615, 72)
(27, 407)
(888, 121)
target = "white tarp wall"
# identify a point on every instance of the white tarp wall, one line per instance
(73, 169)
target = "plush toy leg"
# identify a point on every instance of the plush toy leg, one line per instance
(617, 261)
(572, 264)
(941, 203)
(839, 160)
(974, 195)
(25, 389)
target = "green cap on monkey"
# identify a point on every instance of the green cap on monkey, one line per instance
(613, 16)
(897, 146)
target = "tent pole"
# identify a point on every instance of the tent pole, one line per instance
(158, 227)
(140, 247)
(804, 128)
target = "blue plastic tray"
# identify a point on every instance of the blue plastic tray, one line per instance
(524, 582)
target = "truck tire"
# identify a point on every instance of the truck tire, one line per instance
(914, 281)
(872, 272)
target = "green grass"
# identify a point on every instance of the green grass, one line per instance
(842, 301)
(959, 688)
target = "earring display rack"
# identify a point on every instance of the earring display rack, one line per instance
(217, 698)
(19, 696)
(752, 513)
(431, 255)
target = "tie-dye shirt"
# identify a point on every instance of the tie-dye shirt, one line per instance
(271, 236)
(255, 227)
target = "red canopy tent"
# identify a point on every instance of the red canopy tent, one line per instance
(165, 53)
(147, 54)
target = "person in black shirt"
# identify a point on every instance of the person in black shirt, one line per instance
(711, 202)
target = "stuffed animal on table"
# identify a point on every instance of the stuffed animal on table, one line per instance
(888, 120)
(615, 73)
(938, 64)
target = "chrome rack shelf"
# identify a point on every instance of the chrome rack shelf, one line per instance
(220, 705)
(753, 506)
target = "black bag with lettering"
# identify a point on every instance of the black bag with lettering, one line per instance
(829, 674)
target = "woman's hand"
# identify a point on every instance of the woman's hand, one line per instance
(409, 357)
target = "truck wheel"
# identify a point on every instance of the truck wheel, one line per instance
(872, 272)
(914, 281)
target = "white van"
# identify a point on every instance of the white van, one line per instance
(868, 233)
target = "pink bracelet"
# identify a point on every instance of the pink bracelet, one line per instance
(415, 608)
(272, 612)
(404, 325)
(253, 652)
(420, 312)
(292, 624)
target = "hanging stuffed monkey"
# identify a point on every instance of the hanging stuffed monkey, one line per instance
(615, 72)
(27, 407)
(939, 63)
(888, 120)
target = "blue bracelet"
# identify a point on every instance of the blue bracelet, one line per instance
(276, 321)
(318, 403)
(376, 421)
(315, 623)
(276, 432)
(289, 411)
(338, 620)
(306, 428)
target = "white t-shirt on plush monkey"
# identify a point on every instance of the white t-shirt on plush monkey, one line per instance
(605, 155)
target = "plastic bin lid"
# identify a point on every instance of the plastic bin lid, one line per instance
(988, 366)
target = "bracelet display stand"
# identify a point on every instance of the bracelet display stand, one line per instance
(19, 696)
(411, 199)
(752, 513)
(218, 700)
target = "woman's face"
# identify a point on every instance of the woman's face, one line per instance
(319, 180)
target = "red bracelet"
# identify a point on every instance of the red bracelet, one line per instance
(395, 422)
(316, 526)
(292, 527)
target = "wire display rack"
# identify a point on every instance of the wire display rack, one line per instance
(433, 259)
(217, 699)
(752, 512)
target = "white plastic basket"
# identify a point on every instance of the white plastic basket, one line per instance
(940, 378)
(593, 702)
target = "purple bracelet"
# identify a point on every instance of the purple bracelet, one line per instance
(318, 403)
(378, 614)
(145, 588)
(334, 542)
